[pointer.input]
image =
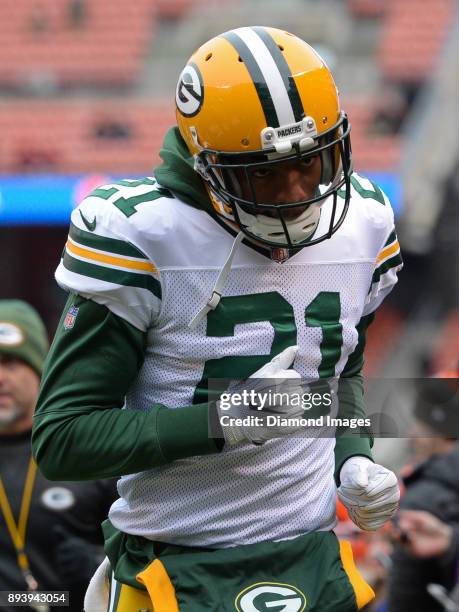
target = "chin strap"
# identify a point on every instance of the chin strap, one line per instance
(219, 284)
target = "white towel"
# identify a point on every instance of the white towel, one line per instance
(96, 598)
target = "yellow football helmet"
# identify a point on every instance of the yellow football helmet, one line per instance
(257, 96)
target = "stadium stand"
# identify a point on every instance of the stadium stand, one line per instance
(125, 136)
(105, 44)
(367, 8)
(44, 39)
(412, 37)
(91, 135)
(371, 152)
(382, 338)
(173, 9)
(82, 136)
(445, 356)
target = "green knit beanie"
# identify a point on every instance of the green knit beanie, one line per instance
(22, 333)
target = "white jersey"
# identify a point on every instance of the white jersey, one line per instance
(153, 260)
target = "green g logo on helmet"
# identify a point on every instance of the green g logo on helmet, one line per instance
(266, 596)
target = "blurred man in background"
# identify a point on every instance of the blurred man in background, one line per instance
(49, 531)
(427, 548)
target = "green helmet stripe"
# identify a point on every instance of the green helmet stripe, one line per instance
(258, 79)
(284, 70)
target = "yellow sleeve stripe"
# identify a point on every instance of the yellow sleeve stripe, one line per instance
(388, 251)
(140, 266)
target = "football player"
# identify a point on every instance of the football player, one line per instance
(254, 254)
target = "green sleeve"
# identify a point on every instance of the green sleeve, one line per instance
(80, 431)
(357, 441)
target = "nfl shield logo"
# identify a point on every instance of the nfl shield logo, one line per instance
(279, 255)
(70, 317)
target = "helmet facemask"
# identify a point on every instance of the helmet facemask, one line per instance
(230, 179)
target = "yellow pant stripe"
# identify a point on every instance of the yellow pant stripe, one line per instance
(124, 598)
(159, 586)
(131, 600)
(363, 591)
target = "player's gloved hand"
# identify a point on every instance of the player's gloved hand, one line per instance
(278, 377)
(369, 492)
(75, 558)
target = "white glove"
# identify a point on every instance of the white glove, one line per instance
(277, 377)
(369, 492)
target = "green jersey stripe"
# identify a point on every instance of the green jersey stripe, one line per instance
(110, 245)
(377, 194)
(110, 275)
(392, 238)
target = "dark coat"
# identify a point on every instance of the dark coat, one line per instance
(432, 487)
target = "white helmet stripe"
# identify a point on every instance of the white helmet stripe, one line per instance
(270, 71)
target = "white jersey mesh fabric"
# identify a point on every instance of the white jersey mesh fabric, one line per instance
(245, 494)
